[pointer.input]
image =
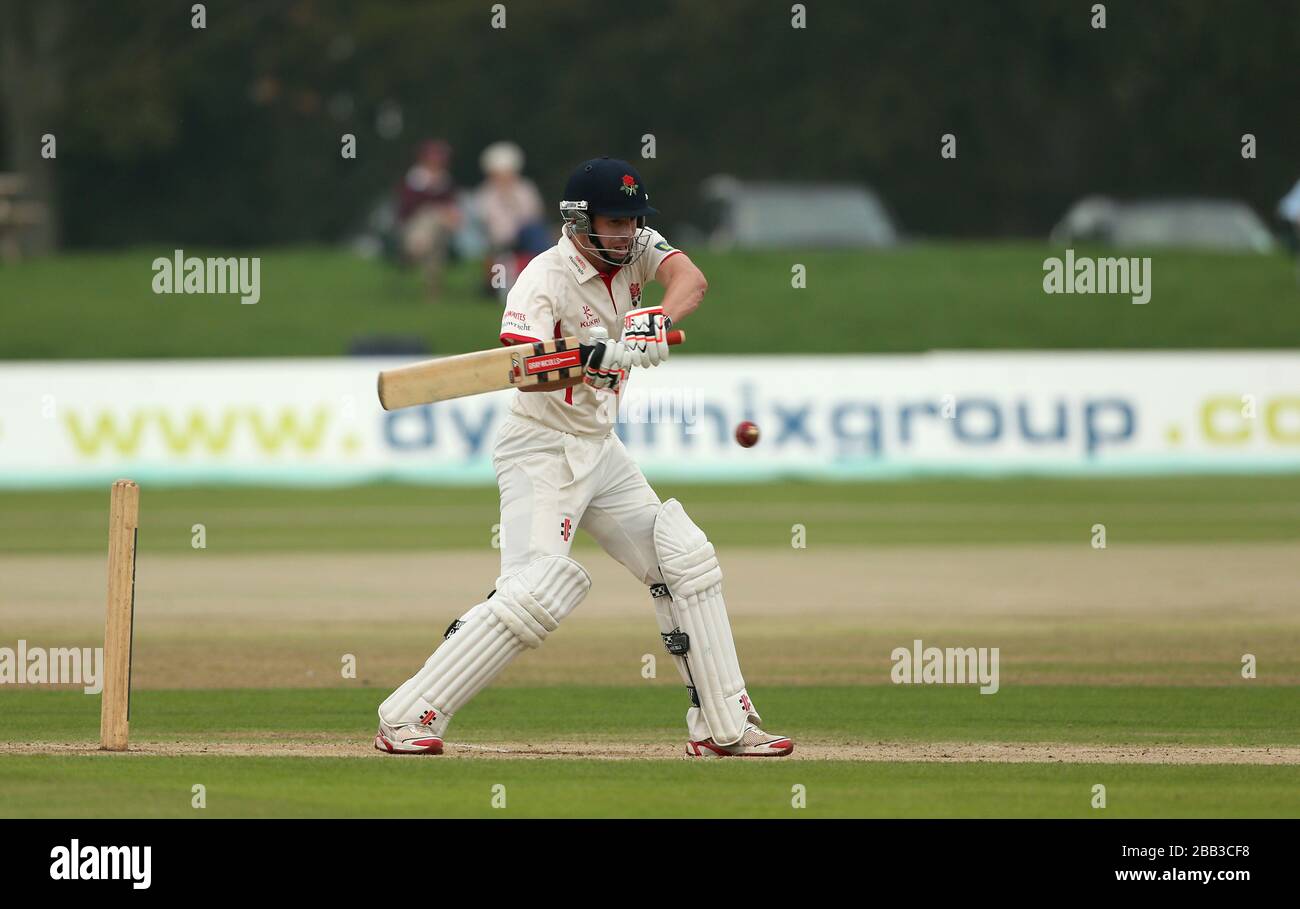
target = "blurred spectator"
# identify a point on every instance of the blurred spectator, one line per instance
(18, 217)
(510, 208)
(427, 212)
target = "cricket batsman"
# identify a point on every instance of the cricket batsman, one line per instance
(560, 467)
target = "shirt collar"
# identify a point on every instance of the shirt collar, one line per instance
(574, 260)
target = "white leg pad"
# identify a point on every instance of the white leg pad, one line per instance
(690, 569)
(667, 625)
(527, 607)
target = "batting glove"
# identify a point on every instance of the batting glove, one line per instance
(607, 362)
(645, 335)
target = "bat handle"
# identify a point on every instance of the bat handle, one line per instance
(675, 336)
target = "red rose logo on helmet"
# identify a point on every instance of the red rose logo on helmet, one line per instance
(629, 185)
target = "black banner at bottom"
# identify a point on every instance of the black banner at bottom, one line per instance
(214, 857)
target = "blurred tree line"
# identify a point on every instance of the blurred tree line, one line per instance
(230, 134)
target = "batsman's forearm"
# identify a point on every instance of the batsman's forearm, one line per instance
(683, 297)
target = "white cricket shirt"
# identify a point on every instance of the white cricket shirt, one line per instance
(560, 294)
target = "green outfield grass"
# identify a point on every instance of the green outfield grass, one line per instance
(249, 786)
(1125, 663)
(390, 517)
(264, 787)
(1099, 715)
(922, 297)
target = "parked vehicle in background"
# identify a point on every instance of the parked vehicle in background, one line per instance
(1226, 225)
(741, 214)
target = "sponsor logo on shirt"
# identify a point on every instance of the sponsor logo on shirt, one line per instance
(516, 320)
(589, 318)
(663, 246)
(635, 291)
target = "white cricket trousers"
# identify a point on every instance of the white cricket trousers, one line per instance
(553, 482)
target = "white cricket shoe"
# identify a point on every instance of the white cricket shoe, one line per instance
(411, 738)
(754, 743)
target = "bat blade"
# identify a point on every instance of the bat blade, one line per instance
(557, 360)
(445, 378)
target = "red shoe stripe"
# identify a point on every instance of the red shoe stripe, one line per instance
(714, 748)
(779, 748)
(427, 746)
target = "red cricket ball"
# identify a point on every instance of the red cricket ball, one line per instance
(747, 434)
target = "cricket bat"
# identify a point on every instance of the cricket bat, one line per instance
(518, 366)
